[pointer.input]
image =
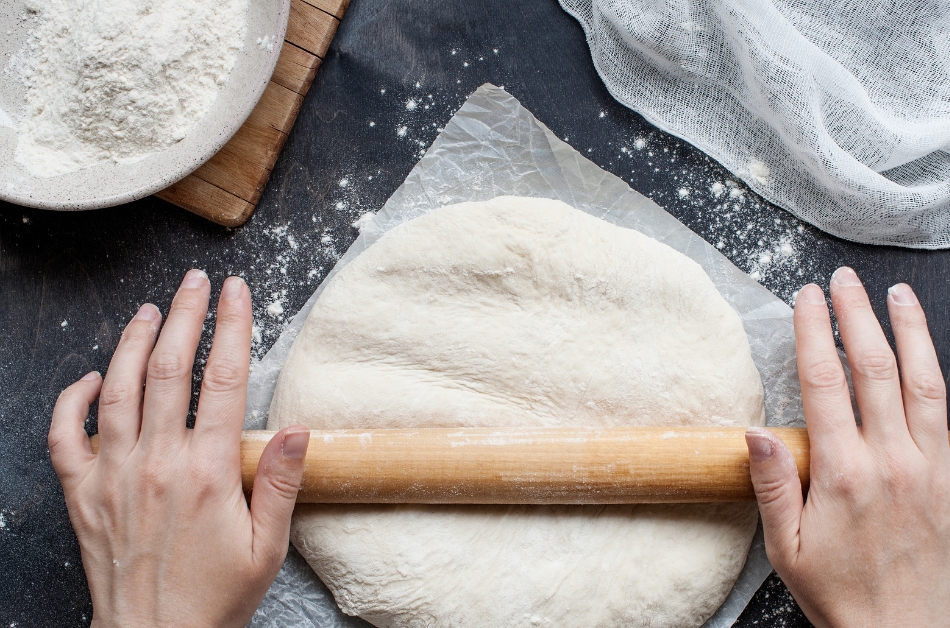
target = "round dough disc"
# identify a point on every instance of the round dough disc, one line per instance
(520, 311)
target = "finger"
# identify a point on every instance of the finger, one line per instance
(825, 396)
(120, 402)
(69, 447)
(224, 384)
(275, 493)
(168, 383)
(877, 386)
(778, 490)
(922, 384)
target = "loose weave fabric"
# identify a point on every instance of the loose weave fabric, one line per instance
(838, 111)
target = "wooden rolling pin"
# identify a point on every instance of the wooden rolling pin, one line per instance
(624, 465)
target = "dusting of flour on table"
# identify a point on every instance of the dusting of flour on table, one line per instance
(117, 80)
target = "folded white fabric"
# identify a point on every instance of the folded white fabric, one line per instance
(836, 111)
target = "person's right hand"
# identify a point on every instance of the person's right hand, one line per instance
(871, 544)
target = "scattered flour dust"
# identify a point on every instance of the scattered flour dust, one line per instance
(773, 607)
(298, 258)
(117, 80)
(363, 221)
(420, 110)
(772, 246)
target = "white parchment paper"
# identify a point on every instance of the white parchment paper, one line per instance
(493, 146)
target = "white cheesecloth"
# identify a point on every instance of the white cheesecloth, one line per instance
(838, 111)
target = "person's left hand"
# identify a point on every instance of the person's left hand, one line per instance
(166, 535)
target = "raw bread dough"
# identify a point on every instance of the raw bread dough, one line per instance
(520, 311)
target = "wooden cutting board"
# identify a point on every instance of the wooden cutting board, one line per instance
(228, 186)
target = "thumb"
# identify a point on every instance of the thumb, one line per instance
(779, 493)
(275, 493)
(69, 447)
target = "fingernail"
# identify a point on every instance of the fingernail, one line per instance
(90, 376)
(760, 444)
(295, 445)
(846, 277)
(147, 312)
(902, 294)
(811, 294)
(232, 289)
(194, 278)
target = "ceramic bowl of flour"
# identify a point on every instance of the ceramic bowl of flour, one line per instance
(101, 108)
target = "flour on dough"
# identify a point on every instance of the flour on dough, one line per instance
(520, 311)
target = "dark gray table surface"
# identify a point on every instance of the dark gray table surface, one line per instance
(70, 281)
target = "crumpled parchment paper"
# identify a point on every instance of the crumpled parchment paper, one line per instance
(491, 147)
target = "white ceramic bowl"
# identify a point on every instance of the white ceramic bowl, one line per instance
(108, 184)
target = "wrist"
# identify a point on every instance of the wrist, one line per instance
(111, 620)
(108, 620)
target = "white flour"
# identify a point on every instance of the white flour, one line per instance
(120, 79)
